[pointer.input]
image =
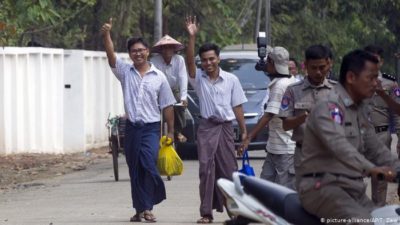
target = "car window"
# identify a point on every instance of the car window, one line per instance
(244, 69)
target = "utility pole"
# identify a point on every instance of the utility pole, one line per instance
(268, 20)
(157, 20)
(258, 19)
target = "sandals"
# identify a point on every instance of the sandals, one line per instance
(137, 217)
(205, 219)
(149, 217)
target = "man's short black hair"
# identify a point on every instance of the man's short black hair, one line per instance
(374, 49)
(135, 40)
(317, 52)
(354, 61)
(207, 47)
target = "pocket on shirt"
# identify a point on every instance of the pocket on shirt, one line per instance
(302, 106)
(149, 91)
(352, 135)
(223, 102)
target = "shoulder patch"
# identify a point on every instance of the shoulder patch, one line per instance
(389, 77)
(285, 102)
(336, 113)
(396, 92)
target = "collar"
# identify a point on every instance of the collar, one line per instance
(347, 100)
(325, 83)
(221, 74)
(152, 69)
(170, 63)
(273, 81)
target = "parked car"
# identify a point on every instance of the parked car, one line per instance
(254, 83)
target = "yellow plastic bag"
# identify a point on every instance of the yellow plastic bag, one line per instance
(169, 163)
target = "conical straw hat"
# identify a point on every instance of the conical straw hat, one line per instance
(167, 40)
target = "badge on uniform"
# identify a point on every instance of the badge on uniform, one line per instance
(285, 102)
(336, 113)
(396, 92)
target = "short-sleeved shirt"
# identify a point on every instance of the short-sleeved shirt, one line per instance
(380, 113)
(279, 140)
(143, 96)
(340, 139)
(301, 97)
(175, 72)
(217, 98)
(263, 105)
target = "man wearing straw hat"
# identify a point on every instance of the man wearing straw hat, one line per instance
(174, 68)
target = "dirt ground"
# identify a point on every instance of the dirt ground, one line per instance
(17, 169)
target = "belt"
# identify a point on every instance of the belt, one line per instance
(316, 175)
(319, 175)
(379, 129)
(298, 144)
(216, 120)
(139, 123)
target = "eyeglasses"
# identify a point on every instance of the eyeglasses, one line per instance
(138, 50)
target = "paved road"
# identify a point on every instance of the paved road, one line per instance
(92, 197)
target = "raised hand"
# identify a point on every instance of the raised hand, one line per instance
(106, 28)
(192, 27)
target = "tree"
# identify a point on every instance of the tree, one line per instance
(343, 25)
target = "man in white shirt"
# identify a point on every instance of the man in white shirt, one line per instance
(221, 97)
(174, 68)
(146, 92)
(278, 165)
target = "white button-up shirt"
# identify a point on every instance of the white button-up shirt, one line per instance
(175, 72)
(143, 96)
(217, 98)
(279, 140)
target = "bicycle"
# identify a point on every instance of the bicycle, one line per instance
(116, 133)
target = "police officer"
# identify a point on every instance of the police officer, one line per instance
(340, 147)
(382, 119)
(301, 96)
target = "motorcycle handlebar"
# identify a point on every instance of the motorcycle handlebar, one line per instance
(382, 176)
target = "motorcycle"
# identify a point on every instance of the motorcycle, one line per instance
(254, 200)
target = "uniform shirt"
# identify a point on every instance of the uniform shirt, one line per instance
(175, 72)
(380, 113)
(263, 105)
(279, 141)
(340, 139)
(301, 97)
(217, 98)
(143, 96)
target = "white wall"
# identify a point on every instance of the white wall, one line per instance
(39, 113)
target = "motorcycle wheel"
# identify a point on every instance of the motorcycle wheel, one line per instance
(240, 220)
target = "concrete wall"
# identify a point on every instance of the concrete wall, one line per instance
(55, 100)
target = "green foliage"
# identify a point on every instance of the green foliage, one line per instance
(341, 24)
